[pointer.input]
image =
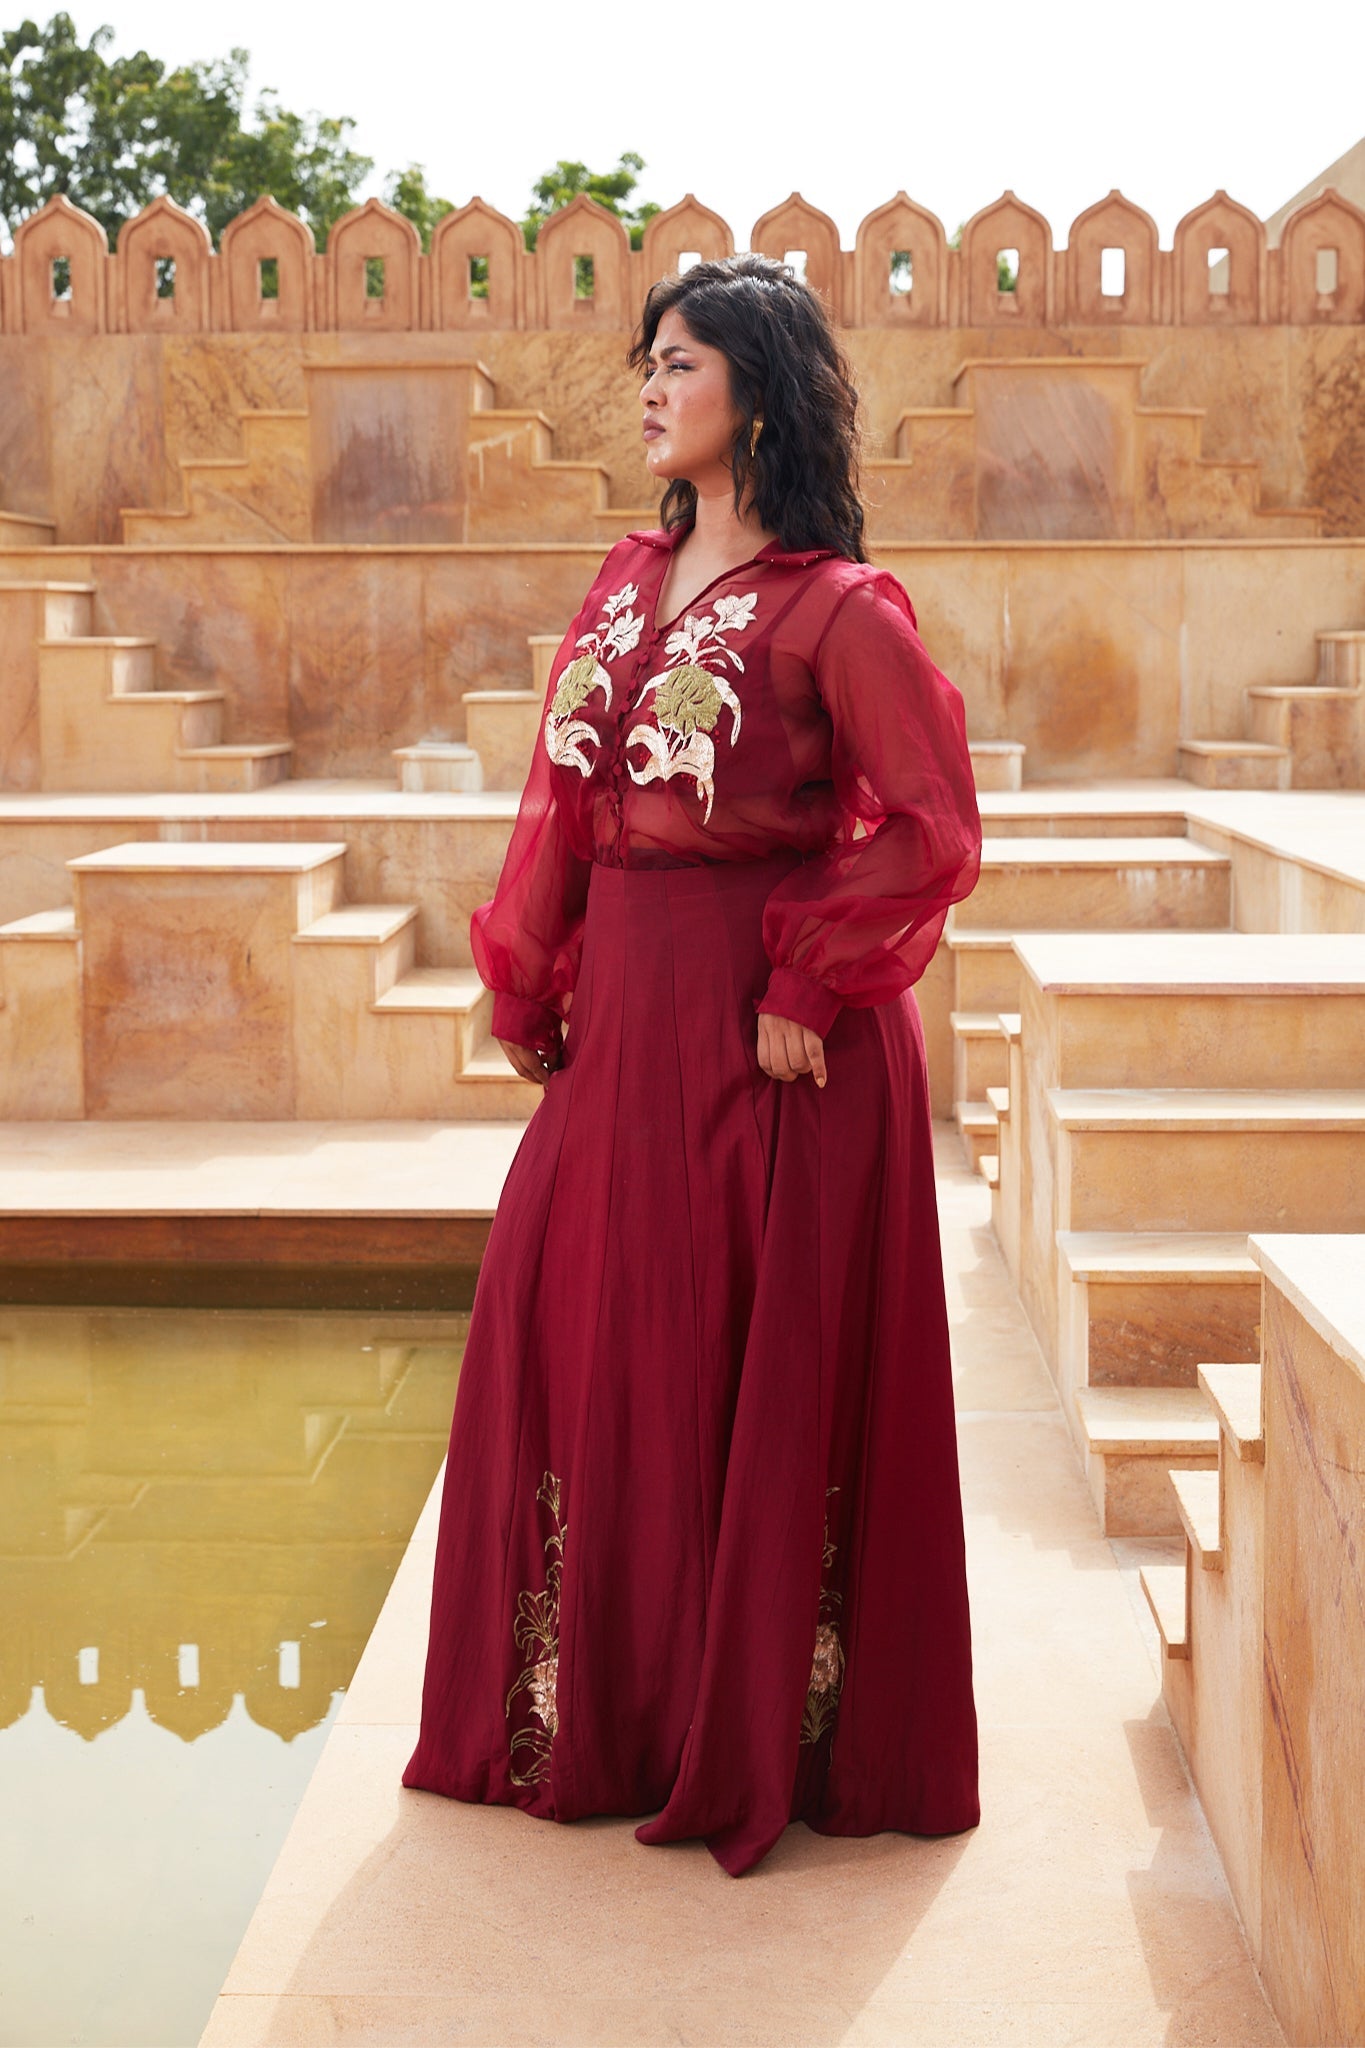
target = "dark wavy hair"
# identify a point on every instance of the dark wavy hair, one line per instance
(787, 369)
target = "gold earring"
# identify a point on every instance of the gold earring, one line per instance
(754, 433)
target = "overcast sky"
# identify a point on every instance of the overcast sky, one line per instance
(739, 102)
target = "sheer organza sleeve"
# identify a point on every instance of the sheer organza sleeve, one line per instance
(858, 923)
(527, 941)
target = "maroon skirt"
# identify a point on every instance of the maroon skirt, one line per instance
(700, 1551)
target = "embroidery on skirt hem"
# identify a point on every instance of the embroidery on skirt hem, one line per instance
(536, 1634)
(827, 1663)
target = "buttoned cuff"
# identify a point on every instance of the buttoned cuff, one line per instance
(523, 1022)
(790, 993)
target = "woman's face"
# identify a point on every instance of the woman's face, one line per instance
(690, 416)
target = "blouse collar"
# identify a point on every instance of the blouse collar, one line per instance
(773, 551)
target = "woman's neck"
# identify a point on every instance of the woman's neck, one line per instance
(721, 534)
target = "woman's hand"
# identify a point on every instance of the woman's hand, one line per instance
(786, 1049)
(531, 1065)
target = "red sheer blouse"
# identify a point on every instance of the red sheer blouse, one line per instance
(792, 705)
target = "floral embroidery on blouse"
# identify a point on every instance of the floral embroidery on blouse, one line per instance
(618, 632)
(536, 1634)
(827, 1663)
(689, 698)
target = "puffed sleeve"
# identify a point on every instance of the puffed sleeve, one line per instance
(528, 939)
(858, 923)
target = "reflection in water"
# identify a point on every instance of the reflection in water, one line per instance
(200, 1514)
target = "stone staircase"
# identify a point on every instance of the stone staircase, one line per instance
(88, 712)
(1299, 735)
(233, 980)
(1262, 1648)
(1167, 1094)
(503, 483)
(1063, 446)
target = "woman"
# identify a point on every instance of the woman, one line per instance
(700, 1551)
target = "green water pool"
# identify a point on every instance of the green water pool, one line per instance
(200, 1515)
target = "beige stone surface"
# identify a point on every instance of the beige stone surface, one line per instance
(1089, 1900)
(284, 1169)
(1312, 1930)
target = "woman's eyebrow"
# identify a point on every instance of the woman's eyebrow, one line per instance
(676, 348)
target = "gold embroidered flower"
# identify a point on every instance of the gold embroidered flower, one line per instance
(540, 1684)
(687, 698)
(568, 739)
(576, 685)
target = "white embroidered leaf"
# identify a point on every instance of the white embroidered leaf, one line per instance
(735, 613)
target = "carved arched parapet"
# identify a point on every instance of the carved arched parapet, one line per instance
(1328, 222)
(1007, 224)
(900, 227)
(1220, 223)
(685, 229)
(164, 233)
(796, 224)
(373, 233)
(1113, 223)
(61, 232)
(265, 233)
(583, 228)
(474, 233)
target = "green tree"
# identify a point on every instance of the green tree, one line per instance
(114, 132)
(406, 192)
(611, 189)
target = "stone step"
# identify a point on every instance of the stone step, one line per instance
(414, 1040)
(503, 728)
(1236, 764)
(1197, 1009)
(976, 1127)
(23, 530)
(1166, 1588)
(1132, 1437)
(985, 967)
(103, 724)
(1075, 814)
(438, 765)
(1072, 884)
(997, 764)
(988, 1166)
(1198, 1503)
(40, 1017)
(243, 765)
(187, 972)
(1146, 1308)
(980, 1054)
(1341, 658)
(1234, 1394)
(1180, 1159)
(1319, 726)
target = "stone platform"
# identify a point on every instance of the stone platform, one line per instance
(1088, 1908)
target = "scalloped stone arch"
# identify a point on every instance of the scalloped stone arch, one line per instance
(478, 229)
(264, 232)
(583, 228)
(796, 224)
(1113, 223)
(374, 230)
(687, 226)
(1329, 221)
(1008, 223)
(59, 230)
(1220, 223)
(165, 230)
(900, 224)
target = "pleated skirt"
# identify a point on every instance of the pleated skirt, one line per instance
(700, 1553)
